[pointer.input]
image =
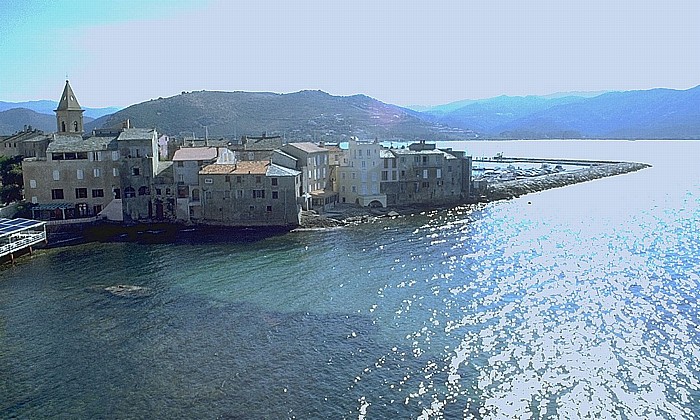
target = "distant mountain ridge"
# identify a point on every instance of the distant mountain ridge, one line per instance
(305, 115)
(655, 113)
(17, 119)
(47, 107)
(316, 115)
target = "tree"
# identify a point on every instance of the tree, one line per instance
(11, 179)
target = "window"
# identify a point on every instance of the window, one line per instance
(228, 178)
(258, 179)
(79, 174)
(258, 193)
(115, 155)
(99, 192)
(207, 195)
(56, 175)
(227, 194)
(342, 176)
(117, 193)
(449, 168)
(364, 164)
(180, 164)
(75, 126)
(275, 195)
(81, 193)
(269, 209)
(385, 175)
(57, 194)
(115, 171)
(144, 191)
(96, 172)
(129, 192)
(239, 179)
(240, 193)
(135, 171)
(274, 182)
(195, 195)
(96, 209)
(426, 184)
(32, 183)
(425, 174)
(208, 181)
(342, 188)
(439, 173)
(34, 200)
(181, 178)
(167, 191)
(353, 175)
(96, 156)
(354, 188)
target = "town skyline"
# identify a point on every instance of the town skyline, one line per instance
(415, 53)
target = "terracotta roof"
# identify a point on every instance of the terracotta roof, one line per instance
(195, 153)
(251, 167)
(218, 169)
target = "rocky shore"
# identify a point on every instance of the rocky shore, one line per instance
(345, 214)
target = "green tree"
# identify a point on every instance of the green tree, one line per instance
(11, 182)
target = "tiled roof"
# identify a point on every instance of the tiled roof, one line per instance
(308, 147)
(75, 143)
(218, 169)
(195, 153)
(276, 170)
(136, 134)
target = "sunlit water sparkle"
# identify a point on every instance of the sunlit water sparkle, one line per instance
(570, 303)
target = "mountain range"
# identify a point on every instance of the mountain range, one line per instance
(316, 115)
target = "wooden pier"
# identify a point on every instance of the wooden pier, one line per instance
(16, 235)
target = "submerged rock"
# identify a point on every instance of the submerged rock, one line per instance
(128, 290)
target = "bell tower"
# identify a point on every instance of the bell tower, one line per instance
(69, 115)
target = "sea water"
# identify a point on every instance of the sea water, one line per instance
(573, 302)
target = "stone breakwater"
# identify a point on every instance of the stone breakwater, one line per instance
(511, 189)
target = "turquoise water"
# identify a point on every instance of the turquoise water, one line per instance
(574, 302)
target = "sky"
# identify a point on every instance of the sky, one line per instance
(404, 52)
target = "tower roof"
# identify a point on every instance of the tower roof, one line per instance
(68, 101)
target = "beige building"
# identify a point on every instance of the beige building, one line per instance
(313, 163)
(359, 172)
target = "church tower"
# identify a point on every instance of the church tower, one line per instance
(69, 115)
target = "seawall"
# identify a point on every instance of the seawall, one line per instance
(510, 189)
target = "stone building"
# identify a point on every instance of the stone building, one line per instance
(29, 142)
(187, 163)
(250, 193)
(107, 173)
(423, 174)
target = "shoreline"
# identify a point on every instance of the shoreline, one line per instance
(343, 215)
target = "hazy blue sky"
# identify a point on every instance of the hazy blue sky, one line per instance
(403, 52)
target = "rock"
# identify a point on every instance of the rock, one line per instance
(127, 290)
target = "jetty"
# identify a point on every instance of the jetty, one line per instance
(18, 235)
